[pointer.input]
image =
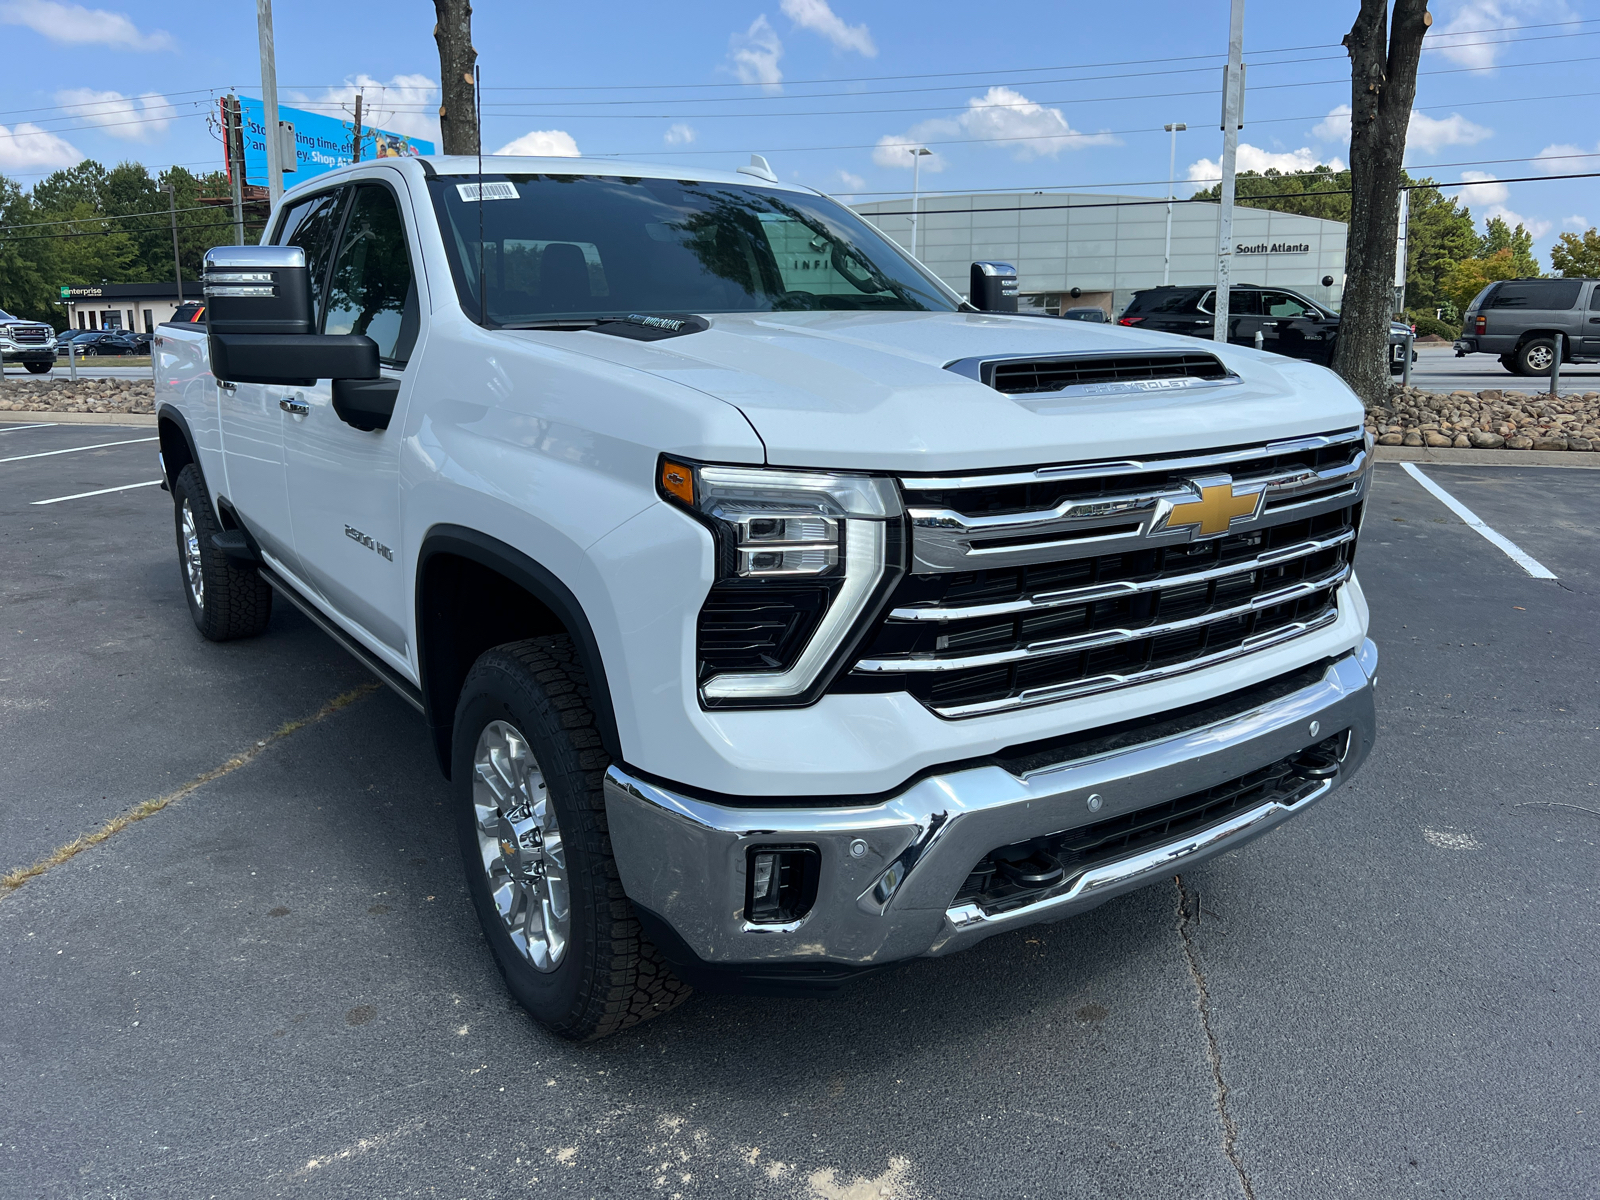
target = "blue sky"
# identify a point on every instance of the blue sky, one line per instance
(1022, 95)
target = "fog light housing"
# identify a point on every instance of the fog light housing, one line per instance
(780, 883)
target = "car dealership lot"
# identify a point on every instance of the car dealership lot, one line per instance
(275, 985)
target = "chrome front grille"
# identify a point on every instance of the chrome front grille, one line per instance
(1033, 587)
(29, 335)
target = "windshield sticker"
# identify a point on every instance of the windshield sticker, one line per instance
(494, 190)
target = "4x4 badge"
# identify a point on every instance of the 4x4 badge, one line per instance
(1217, 509)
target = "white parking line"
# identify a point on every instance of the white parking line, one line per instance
(40, 425)
(103, 491)
(1512, 551)
(76, 449)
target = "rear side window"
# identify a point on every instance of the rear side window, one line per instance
(1594, 299)
(1547, 294)
(371, 290)
(314, 227)
(1182, 300)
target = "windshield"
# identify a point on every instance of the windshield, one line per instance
(565, 247)
(5, 316)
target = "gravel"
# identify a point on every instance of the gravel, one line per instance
(86, 396)
(1487, 420)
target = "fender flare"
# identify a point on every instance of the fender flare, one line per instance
(543, 586)
(166, 413)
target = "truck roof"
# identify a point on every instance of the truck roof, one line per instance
(509, 164)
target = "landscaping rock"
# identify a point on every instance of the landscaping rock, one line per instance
(1488, 420)
(86, 395)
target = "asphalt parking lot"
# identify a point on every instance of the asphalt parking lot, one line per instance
(274, 985)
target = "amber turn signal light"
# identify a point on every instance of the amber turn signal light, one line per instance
(677, 481)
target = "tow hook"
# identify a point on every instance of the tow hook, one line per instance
(1029, 867)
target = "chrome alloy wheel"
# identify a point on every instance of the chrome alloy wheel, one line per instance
(1540, 357)
(520, 845)
(192, 570)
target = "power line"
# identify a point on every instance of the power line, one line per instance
(164, 212)
(35, 237)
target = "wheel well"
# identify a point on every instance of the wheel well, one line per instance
(176, 453)
(1533, 335)
(473, 594)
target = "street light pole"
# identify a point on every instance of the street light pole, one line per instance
(918, 153)
(269, 102)
(1172, 167)
(1232, 111)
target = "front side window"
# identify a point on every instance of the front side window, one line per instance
(1276, 304)
(314, 226)
(589, 247)
(371, 290)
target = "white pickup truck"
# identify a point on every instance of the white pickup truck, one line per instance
(775, 614)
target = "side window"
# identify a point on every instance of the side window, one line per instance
(314, 232)
(1276, 304)
(1594, 299)
(291, 222)
(372, 291)
(1243, 303)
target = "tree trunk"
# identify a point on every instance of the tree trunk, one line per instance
(1383, 83)
(458, 116)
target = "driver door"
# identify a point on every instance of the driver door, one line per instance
(1292, 327)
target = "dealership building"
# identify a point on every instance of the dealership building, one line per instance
(136, 306)
(1081, 250)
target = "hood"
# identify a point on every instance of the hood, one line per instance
(870, 390)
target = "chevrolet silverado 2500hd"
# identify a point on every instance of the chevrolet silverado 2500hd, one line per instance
(774, 614)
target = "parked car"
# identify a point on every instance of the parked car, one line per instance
(102, 343)
(773, 619)
(1091, 314)
(1520, 321)
(30, 343)
(1288, 322)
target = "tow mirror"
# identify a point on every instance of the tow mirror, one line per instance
(993, 287)
(262, 323)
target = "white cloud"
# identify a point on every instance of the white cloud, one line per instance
(75, 25)
(848, 182)
(25, 145)
(407, 104)
(754, 55)
(1425, 133)
(1562, 157)
(1461, 38)
(1433, 133)
(1000, 117)
(1576, 221)
(1335, 127)
(132, 118)
(679, 135)
(1488, 195)
(1254, 158)
(543, 143)
(816, 16)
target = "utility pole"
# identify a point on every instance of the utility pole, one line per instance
(235, 134)
(269, 102)
(177, 263)
(355, 148)
(917, 155)
(1232, 110)
(1172, 168)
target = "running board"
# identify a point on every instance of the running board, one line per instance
(403, 687)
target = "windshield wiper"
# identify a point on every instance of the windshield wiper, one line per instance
(572, 323)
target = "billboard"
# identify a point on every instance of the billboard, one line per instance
(321, 142)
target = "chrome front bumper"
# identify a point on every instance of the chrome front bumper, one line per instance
(683, 858)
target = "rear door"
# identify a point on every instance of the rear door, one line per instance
(344, 483)
(1292, 326)
(252, 422)
(1244, 316)
(1591, 324)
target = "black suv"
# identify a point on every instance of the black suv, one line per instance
(1288, 322)
(1520, 320)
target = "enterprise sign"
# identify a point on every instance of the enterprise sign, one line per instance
(1274, 248)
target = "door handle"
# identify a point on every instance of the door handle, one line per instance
(295, 407)
(1594, 320)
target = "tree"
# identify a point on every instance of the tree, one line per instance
(1497, 236)
(1383, 84)
(458, 118)
(1469, 277)
(1575, 256)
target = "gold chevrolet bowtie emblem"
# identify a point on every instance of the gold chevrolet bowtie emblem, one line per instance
(1215, 510)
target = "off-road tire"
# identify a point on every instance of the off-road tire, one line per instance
(1537, 348)
(235, 602)
(1509, 362)
(610, 976)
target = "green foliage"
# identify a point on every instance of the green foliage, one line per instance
(1466, 279)
(1499, 236)
(1576, 255)
(1427, 323)
(1440, 232)
(59, 233)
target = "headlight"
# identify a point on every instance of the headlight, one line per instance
(803, 558)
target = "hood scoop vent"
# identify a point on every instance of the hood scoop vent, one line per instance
(1097, 374)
